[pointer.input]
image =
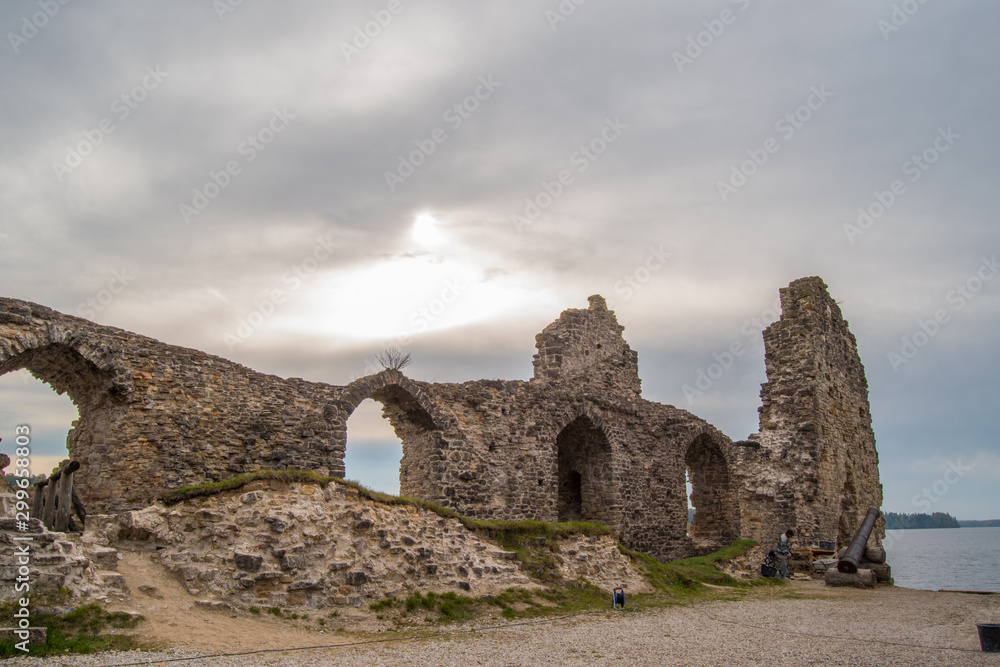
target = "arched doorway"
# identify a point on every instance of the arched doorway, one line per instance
(96, 395)
(49, 417)
(585, 480)
(412, 425)
(373, 451)
(714, 523)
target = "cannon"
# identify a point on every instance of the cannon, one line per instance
(855, 553)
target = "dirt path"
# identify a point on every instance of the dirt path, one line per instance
(174, 619)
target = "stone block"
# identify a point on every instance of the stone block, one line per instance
(248, 562)
(105, 558)
(356, 578)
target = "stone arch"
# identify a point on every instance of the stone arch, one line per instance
(94, 378)
(586, 486)
(715, 522)
(412, 416)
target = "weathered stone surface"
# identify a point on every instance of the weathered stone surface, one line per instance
(577, 441)
(329, 568)
(73, 562)
(883, 572)
(247, 562)
(874, 554)
(813, 466)
(859, 579)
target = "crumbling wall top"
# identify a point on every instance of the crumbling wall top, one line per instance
(586, 348)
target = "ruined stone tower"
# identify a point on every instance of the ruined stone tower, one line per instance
(813, 465)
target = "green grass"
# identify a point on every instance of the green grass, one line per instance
(686, 579)
(82, 630)
(416, 600)
(703, 568)
(384, 603)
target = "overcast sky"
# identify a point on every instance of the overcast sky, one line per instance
(295, 186)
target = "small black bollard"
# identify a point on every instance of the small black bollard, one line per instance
(618, 598)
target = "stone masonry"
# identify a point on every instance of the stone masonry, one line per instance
(577, 441)
(283, 544)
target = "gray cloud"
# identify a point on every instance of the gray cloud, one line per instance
(656, 185)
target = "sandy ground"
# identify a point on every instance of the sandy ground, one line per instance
(175, 619)
(803, 623)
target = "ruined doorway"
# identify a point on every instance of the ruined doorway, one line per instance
(48, 417)
(373, 450)
(96, 399)
(713, 524)
(415, 431)
(585, 483)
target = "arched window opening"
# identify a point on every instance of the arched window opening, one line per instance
(398, 441)
(373, 450)
(49, 416)
(586, 487)
(711, 510)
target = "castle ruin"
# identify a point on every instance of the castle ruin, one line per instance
(575, 442)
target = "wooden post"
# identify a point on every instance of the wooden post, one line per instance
(64, 502)
(55, 501)
(51, 489)
(38, 502)
(81, 511)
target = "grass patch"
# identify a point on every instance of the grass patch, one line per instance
(86, 629)
(416, 600)
(703, 568)
(686, 579)
(384, 603)
(241, 480)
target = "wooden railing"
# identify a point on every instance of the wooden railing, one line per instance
(55, 500)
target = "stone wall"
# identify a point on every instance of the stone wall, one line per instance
(305, 545)
(814, 463)
(155, 416)
(577, 441)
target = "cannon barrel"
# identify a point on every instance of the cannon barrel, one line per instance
(855, 552)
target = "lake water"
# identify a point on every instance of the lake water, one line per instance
(935, 558)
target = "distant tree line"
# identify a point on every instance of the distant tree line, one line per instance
(989, 523)
(895, 521)
(12, 480)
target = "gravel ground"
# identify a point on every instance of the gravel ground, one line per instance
(840, 627)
